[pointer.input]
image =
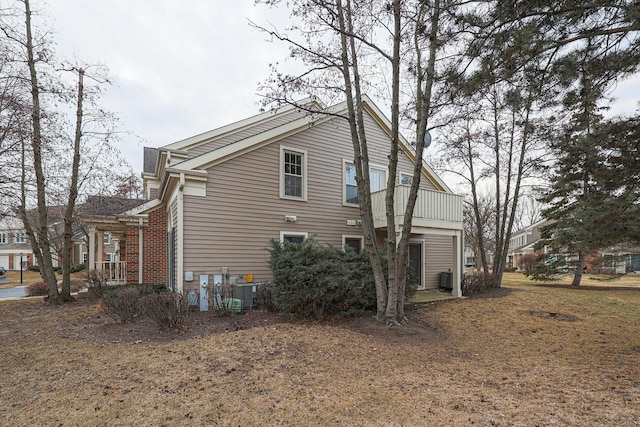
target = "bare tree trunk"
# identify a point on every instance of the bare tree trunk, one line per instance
(73, 195)
(577, 277)
(423, 103)
(361, 155)
(41, 241)
(394, 264)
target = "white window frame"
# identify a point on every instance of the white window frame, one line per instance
(108, 257)
(3, 238)
(20, 237)
(386, 175)
(85, 257)
(408, 175)
(293, 233)
(302, 153)
(106, 238)
(344, 179)
(350, 236)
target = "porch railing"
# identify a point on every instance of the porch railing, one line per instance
(435, 209)
(114, 271)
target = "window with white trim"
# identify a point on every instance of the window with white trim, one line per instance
(293, 236)
(377, 182)
(106, 238)
(3, 238)
(108, 257)
(19, 237)
(406, 179)
(354, 242)
(293, 174)
(350, 185)
(85, 257)
(378, 178)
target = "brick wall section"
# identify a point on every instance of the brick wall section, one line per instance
(155, 248)
(131, 254)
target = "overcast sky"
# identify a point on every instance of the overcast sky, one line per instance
(179, 67)
(183, 67)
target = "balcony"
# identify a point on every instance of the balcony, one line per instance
(434, 209)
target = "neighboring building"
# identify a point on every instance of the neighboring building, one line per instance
(522, 243)
(620, 260)
(14, 242)
(218, 198)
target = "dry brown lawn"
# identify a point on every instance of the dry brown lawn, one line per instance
(28, 277)
(523, 355)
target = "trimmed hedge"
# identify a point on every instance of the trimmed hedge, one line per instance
(310, 280)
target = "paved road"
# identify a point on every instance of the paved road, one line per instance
(18, 291)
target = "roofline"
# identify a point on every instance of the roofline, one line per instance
(384, 122)
(211, 158)
(234, 127)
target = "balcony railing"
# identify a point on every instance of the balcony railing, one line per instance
(114, 271)
(434, 209)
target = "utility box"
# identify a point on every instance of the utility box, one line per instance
(446, 280)
(247, 293)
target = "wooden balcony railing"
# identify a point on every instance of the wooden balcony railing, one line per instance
(434, 209)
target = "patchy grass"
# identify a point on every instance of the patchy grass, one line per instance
(588, 280)
(29, 277)
(530, 355)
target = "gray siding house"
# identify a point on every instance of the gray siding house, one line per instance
(218, 198)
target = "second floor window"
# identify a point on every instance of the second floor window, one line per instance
(293, 175)
(351, 187)
(3, 238)
(19, 237)
(377, 178)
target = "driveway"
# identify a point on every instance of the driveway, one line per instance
(17, 292)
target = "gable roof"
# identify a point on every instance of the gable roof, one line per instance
(211, 158)
(203, 138)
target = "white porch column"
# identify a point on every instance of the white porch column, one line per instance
(91, 249)
(116, 245)
(457, 265)
(100, 241)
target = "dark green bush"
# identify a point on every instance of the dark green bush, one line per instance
(310, 280)
(35, 268)
(77, 267)
(169, 309)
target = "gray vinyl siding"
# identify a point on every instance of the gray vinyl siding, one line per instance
(438, 253)
(244, 133)
(242, 211)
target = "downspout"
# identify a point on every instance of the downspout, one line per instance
(180, 242)
(140, 257)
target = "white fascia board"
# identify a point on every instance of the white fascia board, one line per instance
(382, 120)
(230, 151)
(238, 126)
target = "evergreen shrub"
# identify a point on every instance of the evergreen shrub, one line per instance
(311, 280)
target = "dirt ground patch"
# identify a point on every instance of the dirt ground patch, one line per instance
(500, 360)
